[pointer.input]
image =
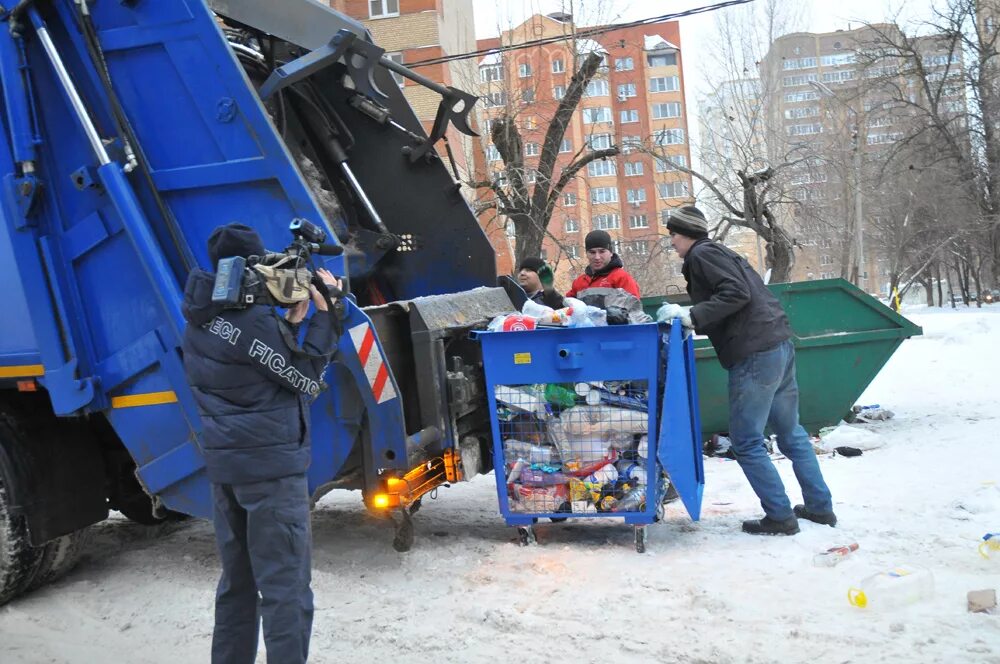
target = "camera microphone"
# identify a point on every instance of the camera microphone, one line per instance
(328, 249)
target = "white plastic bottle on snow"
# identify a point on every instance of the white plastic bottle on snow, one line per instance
(899, 586)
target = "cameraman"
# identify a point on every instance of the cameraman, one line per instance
(253, 387)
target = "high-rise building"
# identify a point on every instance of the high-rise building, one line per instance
(830, 109)
(412, 31)
(635, 102)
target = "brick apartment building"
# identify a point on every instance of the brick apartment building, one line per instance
(636, 102)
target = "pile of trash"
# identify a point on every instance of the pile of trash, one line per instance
(577, 449)
(599, 307)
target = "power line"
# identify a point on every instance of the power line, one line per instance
(582, 34)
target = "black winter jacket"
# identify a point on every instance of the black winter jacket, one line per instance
(253, 391)
(731, 303)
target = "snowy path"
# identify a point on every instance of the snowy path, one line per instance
(705, 592)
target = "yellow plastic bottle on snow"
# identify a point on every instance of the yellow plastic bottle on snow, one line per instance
(899, 586)
(990, 546)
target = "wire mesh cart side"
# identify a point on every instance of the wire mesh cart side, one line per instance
(574, 416)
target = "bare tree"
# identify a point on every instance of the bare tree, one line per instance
(948, 81)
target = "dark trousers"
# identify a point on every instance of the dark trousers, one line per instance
(265, 543)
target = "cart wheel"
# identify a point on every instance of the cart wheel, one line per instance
(403, 540)
(640, 539)
(526, 535)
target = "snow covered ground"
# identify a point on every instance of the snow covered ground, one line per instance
(704, 593)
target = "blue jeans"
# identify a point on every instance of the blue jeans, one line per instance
(763, 391)
(265, 543)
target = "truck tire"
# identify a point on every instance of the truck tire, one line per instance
(19, 560)
(60, 556)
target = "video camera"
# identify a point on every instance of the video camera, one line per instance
(275, 279)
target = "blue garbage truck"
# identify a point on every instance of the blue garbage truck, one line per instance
(130, 130)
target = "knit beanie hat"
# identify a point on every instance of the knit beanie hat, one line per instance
(532, 263)
(234, 240)
(688, 221)
(596, 239)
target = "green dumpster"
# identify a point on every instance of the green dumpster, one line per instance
(843, 338)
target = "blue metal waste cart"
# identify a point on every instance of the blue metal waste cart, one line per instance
(593, 422)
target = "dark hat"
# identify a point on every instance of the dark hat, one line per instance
(234, 240)
(532, 263)
(689, 221)
(597, 239)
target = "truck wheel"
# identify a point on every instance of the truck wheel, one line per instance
(60, 556)
(18, 559)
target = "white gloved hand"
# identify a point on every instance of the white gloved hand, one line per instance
(668, 312)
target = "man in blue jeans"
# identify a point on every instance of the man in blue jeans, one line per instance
(751, 334)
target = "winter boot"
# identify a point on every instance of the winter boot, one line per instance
(769, 526)
(828, 519)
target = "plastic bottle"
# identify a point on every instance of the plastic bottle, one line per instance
(631, 470)
(633, 501)
(990, 546)
(905, 584)
(559, 395)
(834, 556)
(535, 310)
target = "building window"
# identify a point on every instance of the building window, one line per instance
(635, 196)
(607, 222)
(566, 146)
(626, 90)
(558, 92)
(524, 70)
(628, 116)
(799, 63)
(662, 60)
(572, 226)
(804, 129)
(543, 254)
(630, 143)
(838, 59)
(530, 175)
(398, 59)
(669, 137)
(604, 195)
(383, 8)
(531, 149)
(633, 168)
(801, 112)
(793, 97)
(825, 260)
(558, 66)
(572, 252)
(599, 114)
(664, 84)
(490, 73)
(494, 99)
(672, 189)
(492, 154)
(638, 221)
(794, 81)
(528, 96)
(599, 141)
(601, 168)
(597, 87)
(569, 199)
(638, 247)
(669, 163)
(883, 138)
(838, 76)
(669, 110)
(624, 64)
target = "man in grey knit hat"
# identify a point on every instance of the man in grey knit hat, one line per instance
(751, 334)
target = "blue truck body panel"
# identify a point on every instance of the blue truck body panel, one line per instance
(93, 274)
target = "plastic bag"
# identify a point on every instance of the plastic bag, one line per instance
(586, 433)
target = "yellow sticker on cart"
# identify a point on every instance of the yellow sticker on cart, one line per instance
(522, 358)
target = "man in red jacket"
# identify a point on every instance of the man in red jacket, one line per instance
(605, 270)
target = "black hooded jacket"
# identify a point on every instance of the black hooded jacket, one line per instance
(252, 389)
(731, 304)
